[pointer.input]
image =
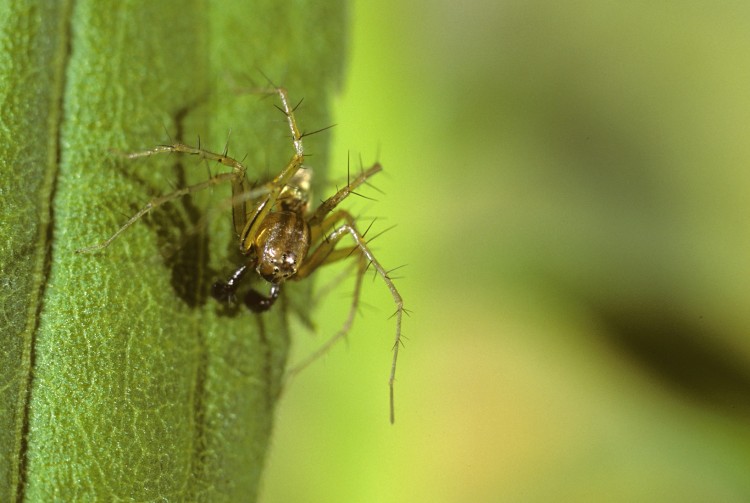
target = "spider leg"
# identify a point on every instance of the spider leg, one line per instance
(343, 331)
(326, 253)
(254, 212)
(236, 177)
(240, 185)
(316, 220)
(155, 203)
(247, 212)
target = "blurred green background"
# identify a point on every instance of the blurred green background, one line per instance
(570, 182)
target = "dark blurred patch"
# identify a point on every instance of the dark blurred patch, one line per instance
(678, 350)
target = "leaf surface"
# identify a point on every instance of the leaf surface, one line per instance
(121, 378)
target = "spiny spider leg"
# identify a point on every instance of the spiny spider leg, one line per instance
(326, 254)
(255, 214)
(236, 166)
(247, 213)
(236, 177)
(349, 229)
(155, 203)
(343, 331)
(239, 183)
(330, 204)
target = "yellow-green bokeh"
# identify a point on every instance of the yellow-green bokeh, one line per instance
(570, 182)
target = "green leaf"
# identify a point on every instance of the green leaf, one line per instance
(120, 377)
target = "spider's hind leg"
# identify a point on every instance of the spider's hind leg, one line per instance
(326, 253)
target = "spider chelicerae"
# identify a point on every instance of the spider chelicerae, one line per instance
(279, 236)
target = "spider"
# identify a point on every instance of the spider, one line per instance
(280, 238)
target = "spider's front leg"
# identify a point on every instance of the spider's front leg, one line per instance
(236, 177)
